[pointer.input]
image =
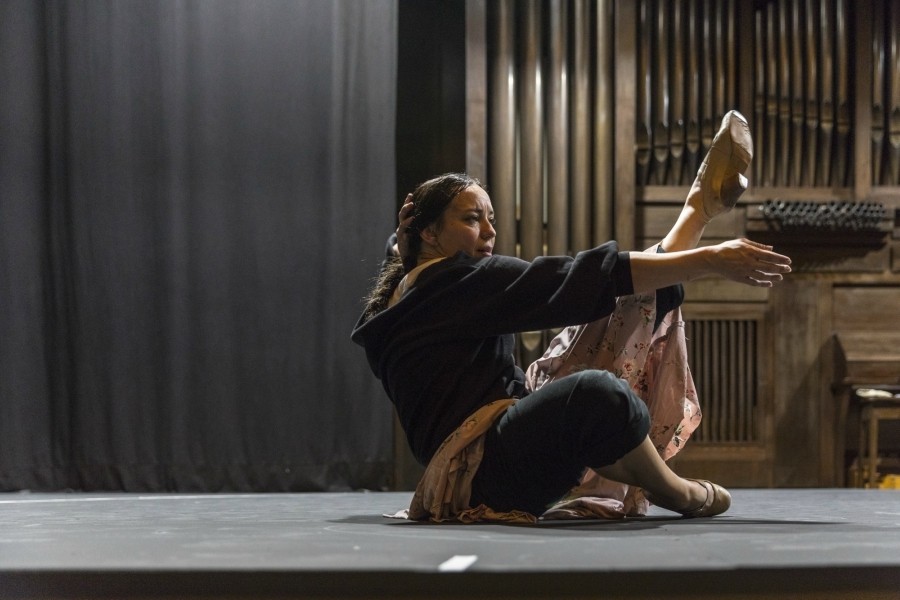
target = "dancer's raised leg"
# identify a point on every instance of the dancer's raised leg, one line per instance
(720, 182)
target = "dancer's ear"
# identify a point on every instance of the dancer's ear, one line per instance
(429, 235)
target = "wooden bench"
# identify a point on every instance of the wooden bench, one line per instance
(878, 403)
(866, 360)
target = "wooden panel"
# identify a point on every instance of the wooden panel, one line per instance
(731, 465)
(800, 333)
(867, 308)
(654, 221)
(718, 310)
(869, 356)
(721, 290)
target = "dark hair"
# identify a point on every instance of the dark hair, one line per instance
(430, 199)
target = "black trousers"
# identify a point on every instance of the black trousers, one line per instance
(538, 450)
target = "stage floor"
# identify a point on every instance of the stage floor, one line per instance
(824, 543)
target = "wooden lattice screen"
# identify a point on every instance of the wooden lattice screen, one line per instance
(725, 365)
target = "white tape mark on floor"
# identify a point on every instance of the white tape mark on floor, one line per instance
(460, 562)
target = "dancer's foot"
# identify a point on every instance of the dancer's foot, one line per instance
(713, 500)
(718, 500)
(720, 180)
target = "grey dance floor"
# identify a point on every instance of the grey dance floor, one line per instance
(772, 544)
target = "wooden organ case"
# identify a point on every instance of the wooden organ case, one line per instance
(588, 120)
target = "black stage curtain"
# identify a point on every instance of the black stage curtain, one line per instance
(194, 197)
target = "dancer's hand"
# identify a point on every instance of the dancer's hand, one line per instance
(749, 262)
(405, 217)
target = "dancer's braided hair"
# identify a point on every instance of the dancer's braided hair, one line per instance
(430, 200)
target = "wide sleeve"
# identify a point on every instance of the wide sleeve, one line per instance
(502, 295)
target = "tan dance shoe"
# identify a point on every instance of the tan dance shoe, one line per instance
(720, 180)
(718, 500)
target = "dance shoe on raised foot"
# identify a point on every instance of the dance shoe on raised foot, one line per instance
(720, 180)
(718, 500)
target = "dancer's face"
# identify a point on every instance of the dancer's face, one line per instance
(467, 225)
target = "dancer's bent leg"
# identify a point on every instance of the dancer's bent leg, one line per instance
(540, 448)
(643, 468)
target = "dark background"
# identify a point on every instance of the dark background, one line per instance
(194, 197)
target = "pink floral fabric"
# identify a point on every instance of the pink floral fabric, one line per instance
(445, 488)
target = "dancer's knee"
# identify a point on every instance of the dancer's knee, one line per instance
(605, 417)
(601, 393)
(598, 399)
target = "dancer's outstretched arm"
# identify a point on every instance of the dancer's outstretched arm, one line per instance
(742, 260)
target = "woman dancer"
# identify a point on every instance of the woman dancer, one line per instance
(438, 330)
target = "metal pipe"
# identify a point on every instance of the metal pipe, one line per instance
(502, 124)
(661, 100)
(557, 131)
(676, 134)
(604, 105)
(842, 98)
(643, 133)
(812, 103)
(894, 117)
(826, 92)
(531, 111)
(580, 223)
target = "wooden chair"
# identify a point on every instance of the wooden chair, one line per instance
(877, 403)
(864, 360)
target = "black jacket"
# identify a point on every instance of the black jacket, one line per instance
(446, 348)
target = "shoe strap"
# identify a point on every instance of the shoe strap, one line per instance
(710, 498)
